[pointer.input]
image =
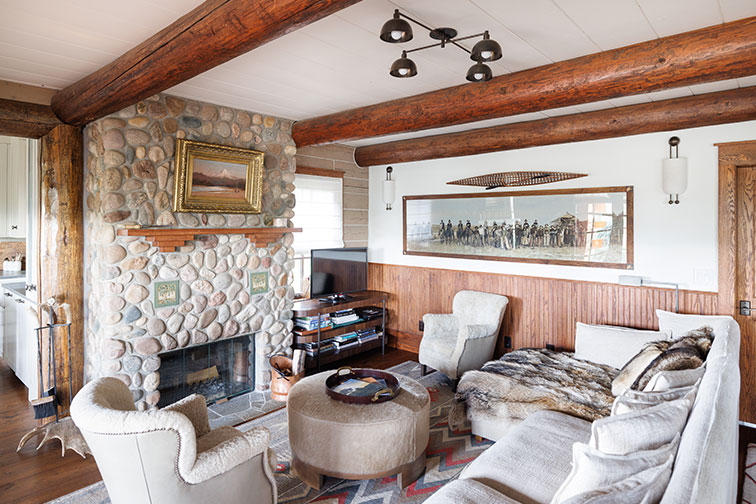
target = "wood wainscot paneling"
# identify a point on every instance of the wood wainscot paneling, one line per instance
(541, 310)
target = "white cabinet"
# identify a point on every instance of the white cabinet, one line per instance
(19, 338)
(14, 171)
(9, 329)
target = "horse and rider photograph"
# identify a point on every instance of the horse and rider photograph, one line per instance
(586, 227)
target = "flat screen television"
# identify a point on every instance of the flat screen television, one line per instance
(338, 271)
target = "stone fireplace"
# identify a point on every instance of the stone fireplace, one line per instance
(129, 181)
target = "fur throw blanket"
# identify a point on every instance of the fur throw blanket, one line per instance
(687, 352)
(532, 379)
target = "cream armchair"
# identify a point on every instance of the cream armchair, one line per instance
(464, 340)
(171, 455)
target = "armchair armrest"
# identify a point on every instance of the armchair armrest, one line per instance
(194, 408)
(230, 453)
(445, 323)
(475, 331)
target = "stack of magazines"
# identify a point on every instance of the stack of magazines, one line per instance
(344, 317)
(361, 387)
(311, 323)
(311, 349)
(345, 341)
(368, 334)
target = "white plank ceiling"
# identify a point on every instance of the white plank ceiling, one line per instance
(339, 63)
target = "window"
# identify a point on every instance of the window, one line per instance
(318, 212)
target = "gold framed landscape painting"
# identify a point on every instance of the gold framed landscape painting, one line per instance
(217, 179)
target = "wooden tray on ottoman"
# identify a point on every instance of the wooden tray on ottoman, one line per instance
(382, 395)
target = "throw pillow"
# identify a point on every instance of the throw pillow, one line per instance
(679, 324)
(634, 400)
(593, 470)
(670, 380)
(646, 429)
(635, 366)
(612, 345)
(647, 486)
(641, 368)
(669, 360)
(687, 352)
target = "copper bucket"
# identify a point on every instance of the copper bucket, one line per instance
(281, 378)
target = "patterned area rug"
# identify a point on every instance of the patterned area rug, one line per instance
(749, 476)
(447, 454)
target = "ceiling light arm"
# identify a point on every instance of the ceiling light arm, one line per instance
(405, 16)
(443, 42)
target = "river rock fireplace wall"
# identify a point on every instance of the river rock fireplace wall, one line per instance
(129, 180)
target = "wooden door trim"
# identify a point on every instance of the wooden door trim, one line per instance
(732, 155)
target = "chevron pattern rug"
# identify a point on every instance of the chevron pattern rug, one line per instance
(749, 476)
(447, 454)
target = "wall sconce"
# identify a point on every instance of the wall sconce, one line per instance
(674, 173)
(389, 189)
(636, 281)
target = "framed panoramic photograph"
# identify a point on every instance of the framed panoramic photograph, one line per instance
(217, 179)
(575, 227)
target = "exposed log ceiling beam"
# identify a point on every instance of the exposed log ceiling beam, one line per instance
(688, 112)
(710, 54)
(24, 119)
(213, 33)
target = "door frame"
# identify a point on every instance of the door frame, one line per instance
(732, 155)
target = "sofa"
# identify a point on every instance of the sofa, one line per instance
(533, 458)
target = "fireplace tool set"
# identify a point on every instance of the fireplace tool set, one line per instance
(48, 405)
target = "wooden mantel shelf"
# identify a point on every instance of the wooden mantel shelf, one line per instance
(168, 239)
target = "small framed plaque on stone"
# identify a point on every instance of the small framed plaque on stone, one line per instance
(258, 283)
(166, 293)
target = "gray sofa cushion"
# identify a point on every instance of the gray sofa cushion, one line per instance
(467, 491)
(533, 459)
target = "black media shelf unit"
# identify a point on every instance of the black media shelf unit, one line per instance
(315, 308)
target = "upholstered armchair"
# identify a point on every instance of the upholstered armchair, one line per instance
(171, 455)
(464, 340)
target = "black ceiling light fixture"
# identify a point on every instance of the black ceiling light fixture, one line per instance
(397, 30)
(403, 67)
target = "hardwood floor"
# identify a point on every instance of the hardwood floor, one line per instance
(35, 477)
(31, 476)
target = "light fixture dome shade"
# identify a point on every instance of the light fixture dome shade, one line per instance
(389, 192)
(675, 175)
(479, 72)
(396, 30)
(486, 50)
(403, 67)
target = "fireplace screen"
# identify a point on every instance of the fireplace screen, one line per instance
(217, 370)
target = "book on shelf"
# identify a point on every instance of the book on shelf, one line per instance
(370, 337)
(346, 337)
(344, 345)
(326, 349)
(311, 323)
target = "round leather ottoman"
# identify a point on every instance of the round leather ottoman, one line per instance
(357, 441)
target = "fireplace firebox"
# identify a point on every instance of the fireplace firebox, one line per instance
(217, 370)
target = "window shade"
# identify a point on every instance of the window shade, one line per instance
(318, 212)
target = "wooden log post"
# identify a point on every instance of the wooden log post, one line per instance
(213, 33)
(710, 54)
(688, 112)
(62, 246)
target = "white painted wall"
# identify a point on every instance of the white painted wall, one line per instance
(673, 243)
